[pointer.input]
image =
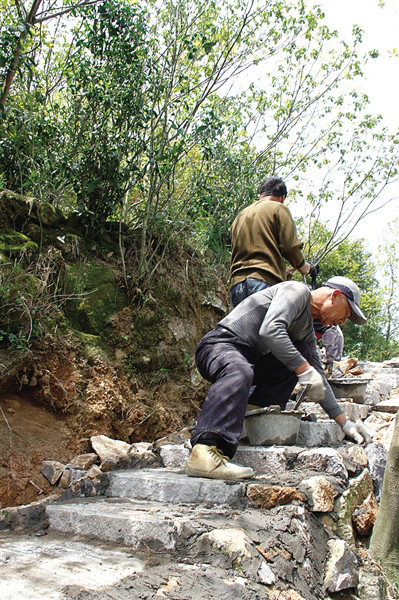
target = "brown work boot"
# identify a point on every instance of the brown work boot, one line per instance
(209, 461)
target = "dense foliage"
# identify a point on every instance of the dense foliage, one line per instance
(376, 340)
(167, 116)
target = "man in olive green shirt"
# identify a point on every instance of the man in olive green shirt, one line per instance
(263, 235)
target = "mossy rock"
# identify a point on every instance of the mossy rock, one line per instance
(34, 232)
(97, 296)
(49, 215)
(15, 209)
(12, 242)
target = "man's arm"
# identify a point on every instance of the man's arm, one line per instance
(289, 245)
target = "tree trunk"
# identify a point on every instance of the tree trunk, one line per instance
(384, 544)
(14, 63)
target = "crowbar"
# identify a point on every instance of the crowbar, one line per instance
(301, 396)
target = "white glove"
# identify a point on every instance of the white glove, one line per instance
(315, 384)
(356, 431)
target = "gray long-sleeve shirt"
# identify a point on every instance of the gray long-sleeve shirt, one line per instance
(272, 319)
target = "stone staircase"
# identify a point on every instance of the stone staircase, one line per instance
(286, 534)
(194, 537)
(157, 504)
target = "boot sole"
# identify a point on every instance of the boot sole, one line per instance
(195, 473)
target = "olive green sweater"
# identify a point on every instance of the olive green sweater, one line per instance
(262, 235)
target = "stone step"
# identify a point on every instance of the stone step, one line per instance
(267, 460)
(318, 434)
(130, 523)
(351, 410)
(163, 485)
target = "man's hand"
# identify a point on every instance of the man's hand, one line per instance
(289, 272)
(311, 378)
(356, 431)
(305, 269)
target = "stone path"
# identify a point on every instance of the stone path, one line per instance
(288, 534)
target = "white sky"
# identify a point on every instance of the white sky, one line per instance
(381, 31)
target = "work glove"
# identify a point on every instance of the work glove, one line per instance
(314, 384)
(356, 431)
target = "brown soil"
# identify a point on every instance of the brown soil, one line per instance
(62, 401)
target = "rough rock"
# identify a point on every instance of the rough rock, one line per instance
(71, 474)
(358, 490)
(357, 454)
(325, 460)
(380, 425)
(342, 567)
(320, 493)
(266, 496)
(83, 461)
(355, 458)
(377, 457)
(29, 517)
(94, 472)
(173, 456)
(66, 478)
(230, 541)
(177, 437)
(371, 584)
(108, 449)
(265, 574)
(364, 516)
(280, 594)
(52, 470)
(141, 455)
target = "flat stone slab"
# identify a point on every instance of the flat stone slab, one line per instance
(269, 460)
(161, 485)
(391, 405)
(130, 523)
(354, 411)
(321, 433)
(45, 567)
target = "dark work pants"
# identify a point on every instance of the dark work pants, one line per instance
(232, 366)
(246, 288)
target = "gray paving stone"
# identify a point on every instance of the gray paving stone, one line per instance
(161, 485)
(319, 433)
(130, 523)
(116, 522)
(268, 460)
(354, 411)
(174, 456)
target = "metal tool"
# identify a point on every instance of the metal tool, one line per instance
(301, 396)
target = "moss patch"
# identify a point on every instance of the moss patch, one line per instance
(13, 242)
(96, 296)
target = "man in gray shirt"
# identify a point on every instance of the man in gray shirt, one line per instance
(267, 340)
